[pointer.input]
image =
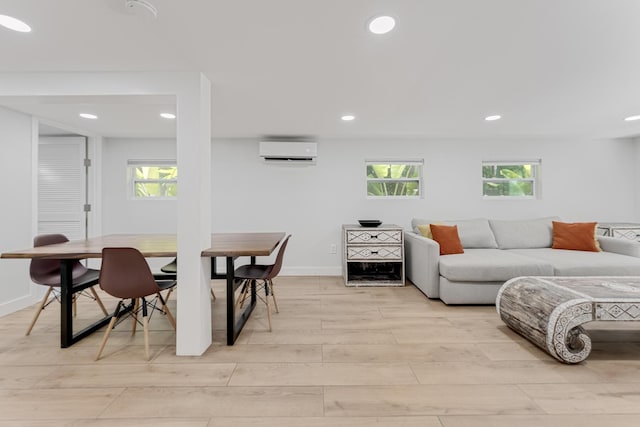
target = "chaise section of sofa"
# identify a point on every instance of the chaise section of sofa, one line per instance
(498, 250)
(475, 276)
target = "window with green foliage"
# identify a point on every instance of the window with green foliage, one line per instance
(386, 179)
(153, 179)
(510, 179)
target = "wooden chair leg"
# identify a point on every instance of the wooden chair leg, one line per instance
(74, 305)
(213, 295)
(98, 300)
(166, 298)
(112, 323)
(266, 301)
(145, 326)
(39, 310)
(243, 294)
(239, 300)
(273, 295)
(172, 320)
(134, 315)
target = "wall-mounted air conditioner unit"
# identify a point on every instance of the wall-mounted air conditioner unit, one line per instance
(289, 152)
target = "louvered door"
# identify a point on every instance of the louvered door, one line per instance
(62, 186)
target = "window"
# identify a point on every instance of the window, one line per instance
(510, 179)
(150, 179)
(386, 179)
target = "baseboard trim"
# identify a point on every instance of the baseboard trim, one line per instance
(304, 271)
(311, 271)
(18, 304)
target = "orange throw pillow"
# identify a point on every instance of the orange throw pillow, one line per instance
(448, 238)
(575, 236)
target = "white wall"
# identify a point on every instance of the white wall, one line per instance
(637, 180)
(120, 214)
(16, 215)
(134, 216)
(581, 180)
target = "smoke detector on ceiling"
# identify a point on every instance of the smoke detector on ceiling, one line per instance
(143, 5)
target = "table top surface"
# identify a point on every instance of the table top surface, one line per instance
(243, 244)
(154, 245)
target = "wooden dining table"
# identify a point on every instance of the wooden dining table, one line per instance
(227, 245)
(231, 246)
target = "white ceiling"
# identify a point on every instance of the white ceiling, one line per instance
(554, 68)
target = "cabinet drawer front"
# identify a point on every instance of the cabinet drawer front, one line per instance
(374, 252)
(373, 236)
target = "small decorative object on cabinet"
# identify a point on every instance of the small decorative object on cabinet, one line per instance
(624, 230)
(373, 256)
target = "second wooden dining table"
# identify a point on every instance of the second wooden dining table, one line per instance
(227, 245)
(231, 246)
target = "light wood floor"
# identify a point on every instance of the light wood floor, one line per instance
(337, 356)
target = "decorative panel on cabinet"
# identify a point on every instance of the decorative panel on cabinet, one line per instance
(623, 230)
(373, 256)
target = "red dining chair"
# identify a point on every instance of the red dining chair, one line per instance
(263, 275)
(46, 272)
(125, 274)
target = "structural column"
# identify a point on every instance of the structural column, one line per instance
(194, 216)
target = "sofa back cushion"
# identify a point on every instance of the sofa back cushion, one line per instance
(474, 233)
(523, 234)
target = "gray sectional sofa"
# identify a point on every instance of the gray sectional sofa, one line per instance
(498, 250)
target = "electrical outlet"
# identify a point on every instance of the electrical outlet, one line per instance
(333, 249)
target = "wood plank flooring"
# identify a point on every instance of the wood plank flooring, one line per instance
(337, 356)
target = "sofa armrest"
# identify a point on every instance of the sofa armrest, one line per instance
(619, 246)
(422, 257)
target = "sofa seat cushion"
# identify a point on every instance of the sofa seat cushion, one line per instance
(486, 265)
(582, 263)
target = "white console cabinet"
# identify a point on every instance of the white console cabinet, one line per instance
(373, 256)
(623, 230)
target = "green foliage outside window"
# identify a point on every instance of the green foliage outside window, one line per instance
(155, 181)
(516, 180)
(393, 179)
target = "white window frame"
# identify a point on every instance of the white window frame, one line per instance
(132, 180)
(534, 180)
(412, 162)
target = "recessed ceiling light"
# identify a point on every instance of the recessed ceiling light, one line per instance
(493, 118)
(381, 24)
(142, 5)
(632, 118)
(347, 118)
(167, 115)
(88, 116)
(14, 24)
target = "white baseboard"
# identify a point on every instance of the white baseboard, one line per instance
(311, 271)
(304, 271)
(18, 304)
